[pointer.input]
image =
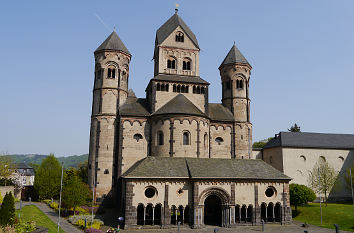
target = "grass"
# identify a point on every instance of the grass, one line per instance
(341, 214)
(32, 213)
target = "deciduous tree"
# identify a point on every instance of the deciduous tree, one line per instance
(5, 163)
(300, 194)
(75, 192)
(322, 178)
(47, 179)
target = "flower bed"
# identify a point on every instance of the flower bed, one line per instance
(79, 220)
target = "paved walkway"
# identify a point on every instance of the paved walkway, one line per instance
(293, 228)
(64, 224)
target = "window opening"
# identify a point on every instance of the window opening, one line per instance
(137, 137)
(186, 140)
(179, 37)
(219, 140)
(160, 138)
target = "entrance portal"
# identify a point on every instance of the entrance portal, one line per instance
(212, 211)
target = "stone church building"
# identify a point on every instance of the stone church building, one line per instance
(173, 156)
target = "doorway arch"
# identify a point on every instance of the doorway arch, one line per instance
(213, 211)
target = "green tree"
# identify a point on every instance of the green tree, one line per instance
(0, 198)
(83, 171)
(75, 192)
(261, 144)
(7, 211)
(47, 179)
(300, 194)
(294, 128)
(5, 163)
(322, 178)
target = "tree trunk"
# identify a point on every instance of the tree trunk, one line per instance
(326, 197)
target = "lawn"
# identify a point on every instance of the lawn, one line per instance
(32, 213)
(341, 214)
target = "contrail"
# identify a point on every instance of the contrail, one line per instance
(99, 18)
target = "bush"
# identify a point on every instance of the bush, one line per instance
(54, 206)
(300, 194)
(47, 201)
(0, 198)
(25, 227)
(7, 211)
(79, 220)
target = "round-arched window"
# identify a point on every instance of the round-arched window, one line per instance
(322, 159)
(341, 159)
(137, 137)
(150, 192)
(270, 192)
(303, 158)
(219, 140)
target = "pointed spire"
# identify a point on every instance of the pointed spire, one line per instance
(234, 56)
(113, 42)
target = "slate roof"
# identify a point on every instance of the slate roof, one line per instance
(134, 107)
(234, 56)
(180, 78)
(312, 140)
(21, 166)
(179, 105)
(172, 167)
(113, 42)
(170, 25)
(220, 113)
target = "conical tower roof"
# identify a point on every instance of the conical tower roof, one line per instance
(113, 42)
(171, 24)
(234, 56)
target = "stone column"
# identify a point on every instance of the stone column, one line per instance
(153, 215)
(273, 213)
(257, 209)
(130, 210)
(144, 214)
(196, 223)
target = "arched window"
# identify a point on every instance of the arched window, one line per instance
(219, 140)
(183, 89)
(160, 138)
(202, 90)
(137, 137)
(186, 138)
(158, 87)
(303, 158)
(187, 89)
(178, 88)
(205, 140)
(198, 90)
(322, 159)
(194, 90)
(186, 64)
(111, 72)
(239, 84)
(341, 159)
(174, 88)
(171, 63)
(179, 37)
(162, 87)
(166, 87)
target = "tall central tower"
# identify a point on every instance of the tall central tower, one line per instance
(235, 74)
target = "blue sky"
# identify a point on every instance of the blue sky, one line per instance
(302, 54)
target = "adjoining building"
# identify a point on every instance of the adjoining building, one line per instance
(173, 156)
(296, 153)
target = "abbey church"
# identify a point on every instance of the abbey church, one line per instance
(173, 156)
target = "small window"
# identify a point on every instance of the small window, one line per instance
(180, 37)
(322, 159)
(219, 140)
(270, 192)
(171, 63)
(341, 159)
(174, 88)
(186, 138)
(137, 137)
(106, 171)
(205, 140)
(111, 72)
(158, 87)
(150, 192)
(239, 84)
(160, 138)
(303, 158)
(186, 65)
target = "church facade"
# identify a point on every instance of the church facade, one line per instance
(173, 156)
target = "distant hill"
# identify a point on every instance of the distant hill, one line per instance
(69, 161)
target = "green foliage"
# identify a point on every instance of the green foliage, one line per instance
(47, 179)
(25, 226)
(75, 192)
(300, 194)
(7, 211)
(322, 178)
(294, 128)
(47, 201)
(54, 206)
(83, 171)
(0, 198)
(5, 163)
(261, 143)
(79, 220)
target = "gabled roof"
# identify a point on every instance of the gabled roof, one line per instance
(234, 56)
(171, 24)
(219, 112)
(179, 105)
(113, 42)
(22, 165)
(134, 107)
(173, 167)
(180, 78)
(312, 140)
